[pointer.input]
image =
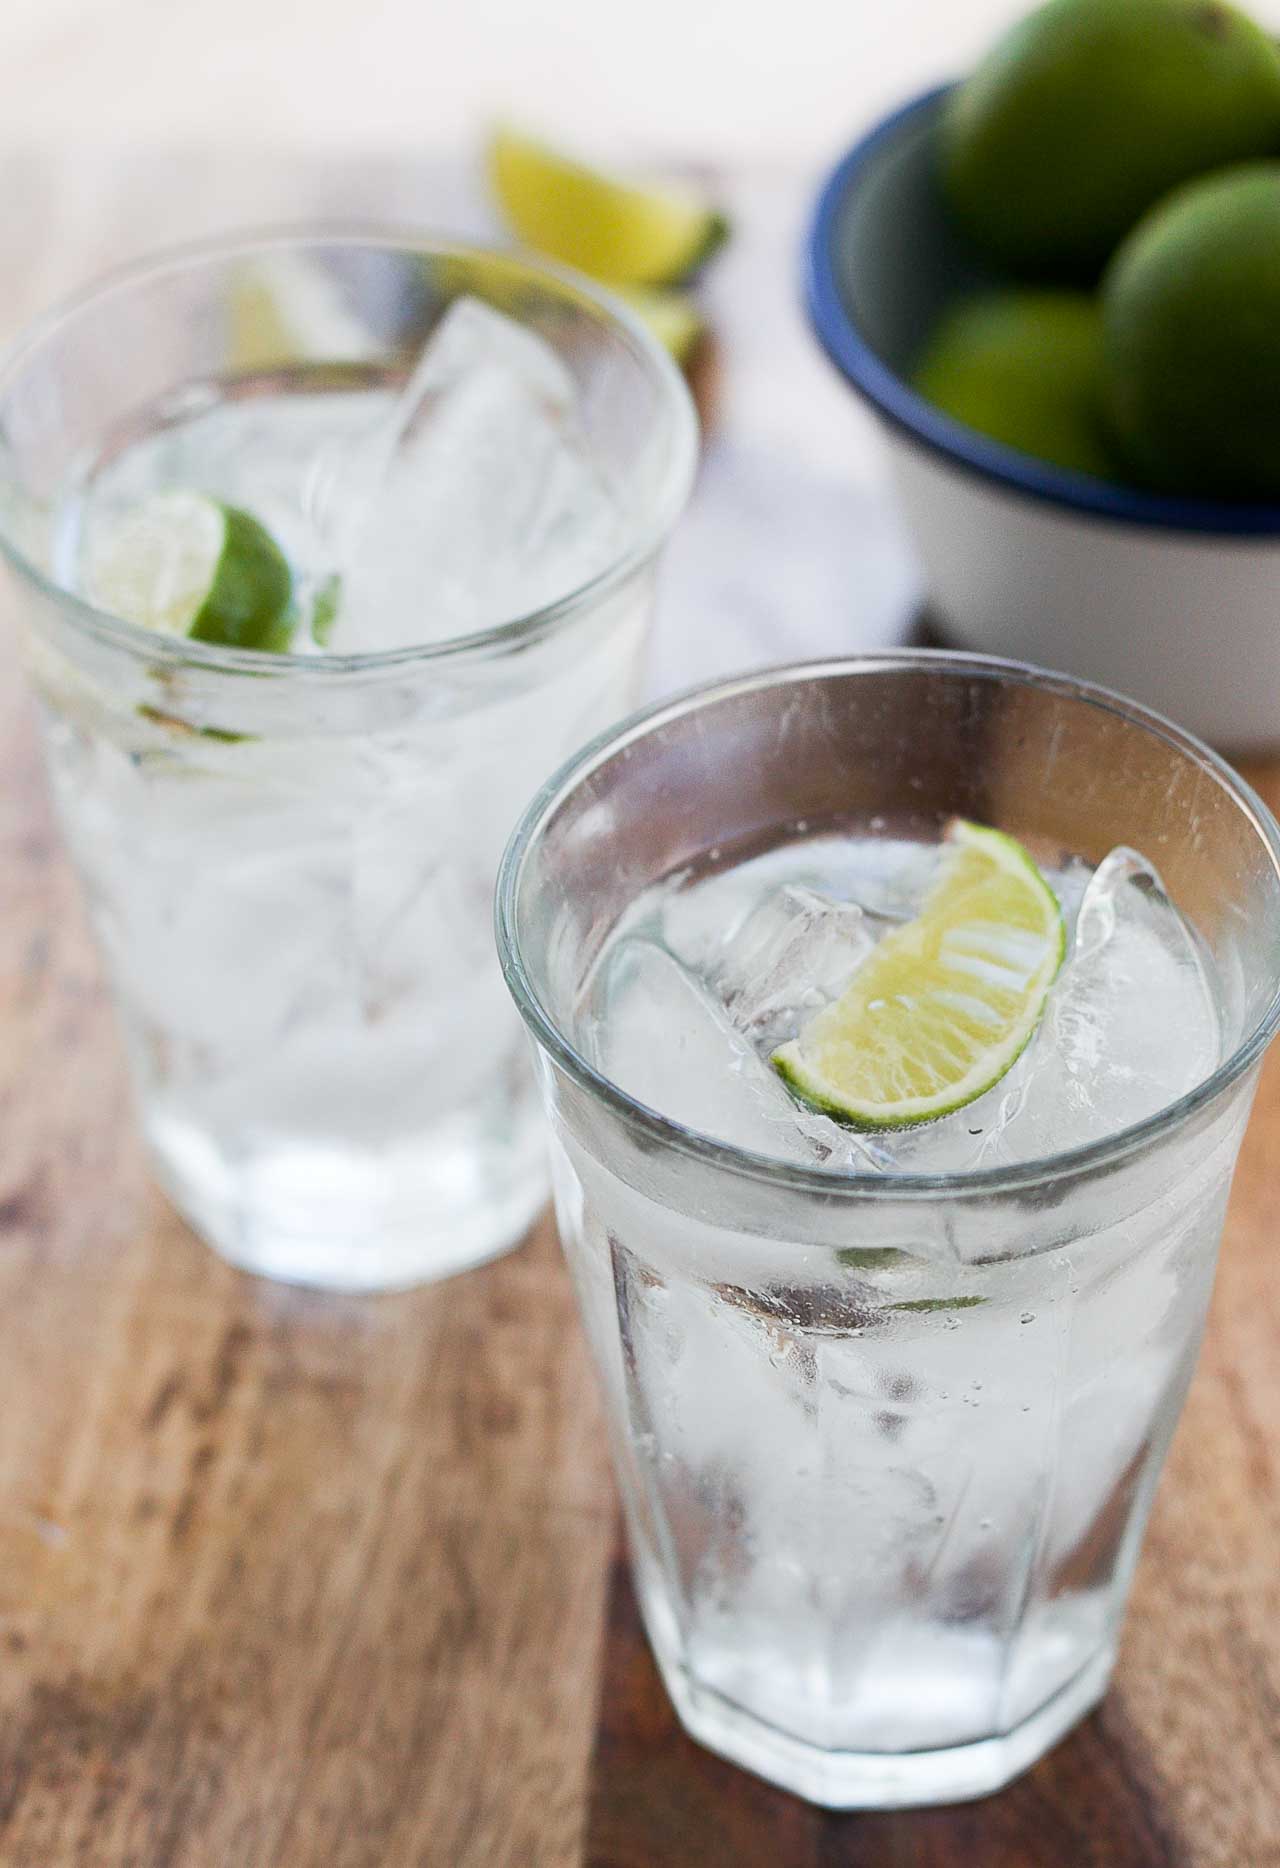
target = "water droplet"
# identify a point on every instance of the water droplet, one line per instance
(1028, 1316)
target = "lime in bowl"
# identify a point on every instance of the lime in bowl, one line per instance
(1167, 597)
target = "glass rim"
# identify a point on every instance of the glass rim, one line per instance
(843, 1183)
(645, 540)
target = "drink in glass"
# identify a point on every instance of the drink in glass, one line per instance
(889, 1400)
(328, 550)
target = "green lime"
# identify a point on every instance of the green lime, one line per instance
(943, 1006)
(187, 565)
(1087, 111)
(1026, 369)
(1192, 338)
(607, 227)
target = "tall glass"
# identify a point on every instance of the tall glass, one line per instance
(289, 859)
(887, 1444)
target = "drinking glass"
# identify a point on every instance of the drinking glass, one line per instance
(289, 859)
(886, 1443)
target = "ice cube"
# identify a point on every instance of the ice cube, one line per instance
(704, 912)
(1130, 1026)
(474, 500)
(796, 952)
(1132, 1023)
(471, 335)
(420, 890)
(661, 1036)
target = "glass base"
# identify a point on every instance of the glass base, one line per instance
(852, 1780)
(349, 1220)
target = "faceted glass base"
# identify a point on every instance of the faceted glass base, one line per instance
(343, 1220)
(852, 1780)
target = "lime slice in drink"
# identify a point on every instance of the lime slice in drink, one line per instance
(673, 318)
(607, 227)
(186, 565)
(943, 1005)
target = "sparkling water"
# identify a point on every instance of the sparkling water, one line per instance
(457, 500)
(886, 1479)
(715, 969)
(292, 879)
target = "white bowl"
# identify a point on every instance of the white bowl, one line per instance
(1175, 601)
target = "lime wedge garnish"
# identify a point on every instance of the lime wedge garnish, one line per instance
(943, 1005)
(187, 565)
(612, 229)
(673, 318)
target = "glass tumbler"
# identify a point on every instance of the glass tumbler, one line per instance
(887, 1443)
(289, 859)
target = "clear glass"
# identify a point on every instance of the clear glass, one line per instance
(289, 860)
(887, 1444)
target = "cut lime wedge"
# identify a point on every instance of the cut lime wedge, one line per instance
(942, 1007)
(187, 565)
(609, 228)
(673, 318)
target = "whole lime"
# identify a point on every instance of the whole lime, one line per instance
(1192, 338)
(1087, 111)
(1026, 369)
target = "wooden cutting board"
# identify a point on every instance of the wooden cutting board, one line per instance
(300, 1582)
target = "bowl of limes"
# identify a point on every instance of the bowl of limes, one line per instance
(1057, 283)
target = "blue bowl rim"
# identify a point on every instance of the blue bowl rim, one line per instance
(908, 412)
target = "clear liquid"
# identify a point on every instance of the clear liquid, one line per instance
(886, 1474)
(292, 886)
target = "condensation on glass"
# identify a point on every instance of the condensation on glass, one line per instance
(887, 1444)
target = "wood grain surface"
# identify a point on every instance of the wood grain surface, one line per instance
(301, 1582)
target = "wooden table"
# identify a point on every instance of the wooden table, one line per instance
(288, 1580)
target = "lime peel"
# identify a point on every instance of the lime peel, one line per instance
(614, 230)
(943, 1006)
(185, 564)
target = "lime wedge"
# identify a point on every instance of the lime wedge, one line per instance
(186, 565)
(612, 229)
(673, 318)
(283, 308)
(942, 1007)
